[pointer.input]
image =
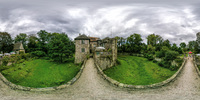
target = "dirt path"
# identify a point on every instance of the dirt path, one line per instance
(91, 86)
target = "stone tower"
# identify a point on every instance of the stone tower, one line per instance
(82, 48)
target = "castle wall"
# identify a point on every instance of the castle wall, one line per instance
(79, 55)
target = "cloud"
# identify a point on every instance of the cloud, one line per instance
(176, 20)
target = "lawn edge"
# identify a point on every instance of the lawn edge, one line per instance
(23, 88)
(156, 85)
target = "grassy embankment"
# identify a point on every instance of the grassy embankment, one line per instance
(138, 71)
(40, 73)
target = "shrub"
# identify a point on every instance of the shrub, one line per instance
(118, 62)
(155, 61)
(150, 57)
(173, 67)
(25, 56)
(160, 54)
(164, 64)
(179, 61)
(5, 60)
(171, 55)
(38, 53)
(21, 52)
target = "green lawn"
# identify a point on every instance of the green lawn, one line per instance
(41, 73)
(138, 71)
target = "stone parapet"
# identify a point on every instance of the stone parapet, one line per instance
(195, 65)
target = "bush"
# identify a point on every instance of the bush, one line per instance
(179, 61)
(171, 55)
(154, 61)
(160, 54)
(5, 60)
(38, 53)
(164, 64)
(173, 67)
(150, 57)
(118, 62)
(25, 56)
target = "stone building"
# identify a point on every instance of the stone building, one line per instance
(106, 54)
(93, 43)
(103, 51)
(18, 47)
(82, 48)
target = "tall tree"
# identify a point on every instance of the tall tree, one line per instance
(43, 39)
(153, 39)
(166, 43)
(32, 43)
(6, 42)
(182, 45)
(191, 45)
(60, 47)
(134, 42)
(174, 47)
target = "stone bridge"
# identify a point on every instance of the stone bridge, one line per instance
(91, 86)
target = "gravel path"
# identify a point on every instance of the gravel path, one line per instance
(91, 86)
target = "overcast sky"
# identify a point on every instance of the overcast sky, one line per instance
(176, 20)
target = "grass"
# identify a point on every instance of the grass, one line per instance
(41, 73)
(138, 71)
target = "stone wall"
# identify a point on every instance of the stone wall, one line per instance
(108, 57)
(79, 55)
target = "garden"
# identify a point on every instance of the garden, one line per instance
(38, 73)
(138, 71)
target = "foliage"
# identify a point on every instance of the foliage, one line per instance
(149, 56)
(22, 37)
(38, 53)
(160, 54)
(5, 60)
(32, 43)
(153, 39)
(171, 55)
(137, 71)
(61, 47)
(6, 42)
(182, 45)
(41, 73)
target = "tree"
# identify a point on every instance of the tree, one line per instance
(6, 42)
(22, 38)
(134, 42)
(182, 45)
(43, 39)
(154, 39)
(166, 43)
(174, 47)
(60, 47)
(191, 45)
(32, 43)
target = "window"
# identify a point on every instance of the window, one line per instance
(97, 53)
(83, 41)
(83, 50)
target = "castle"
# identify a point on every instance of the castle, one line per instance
(103, 51)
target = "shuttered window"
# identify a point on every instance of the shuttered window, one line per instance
(82, 49)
